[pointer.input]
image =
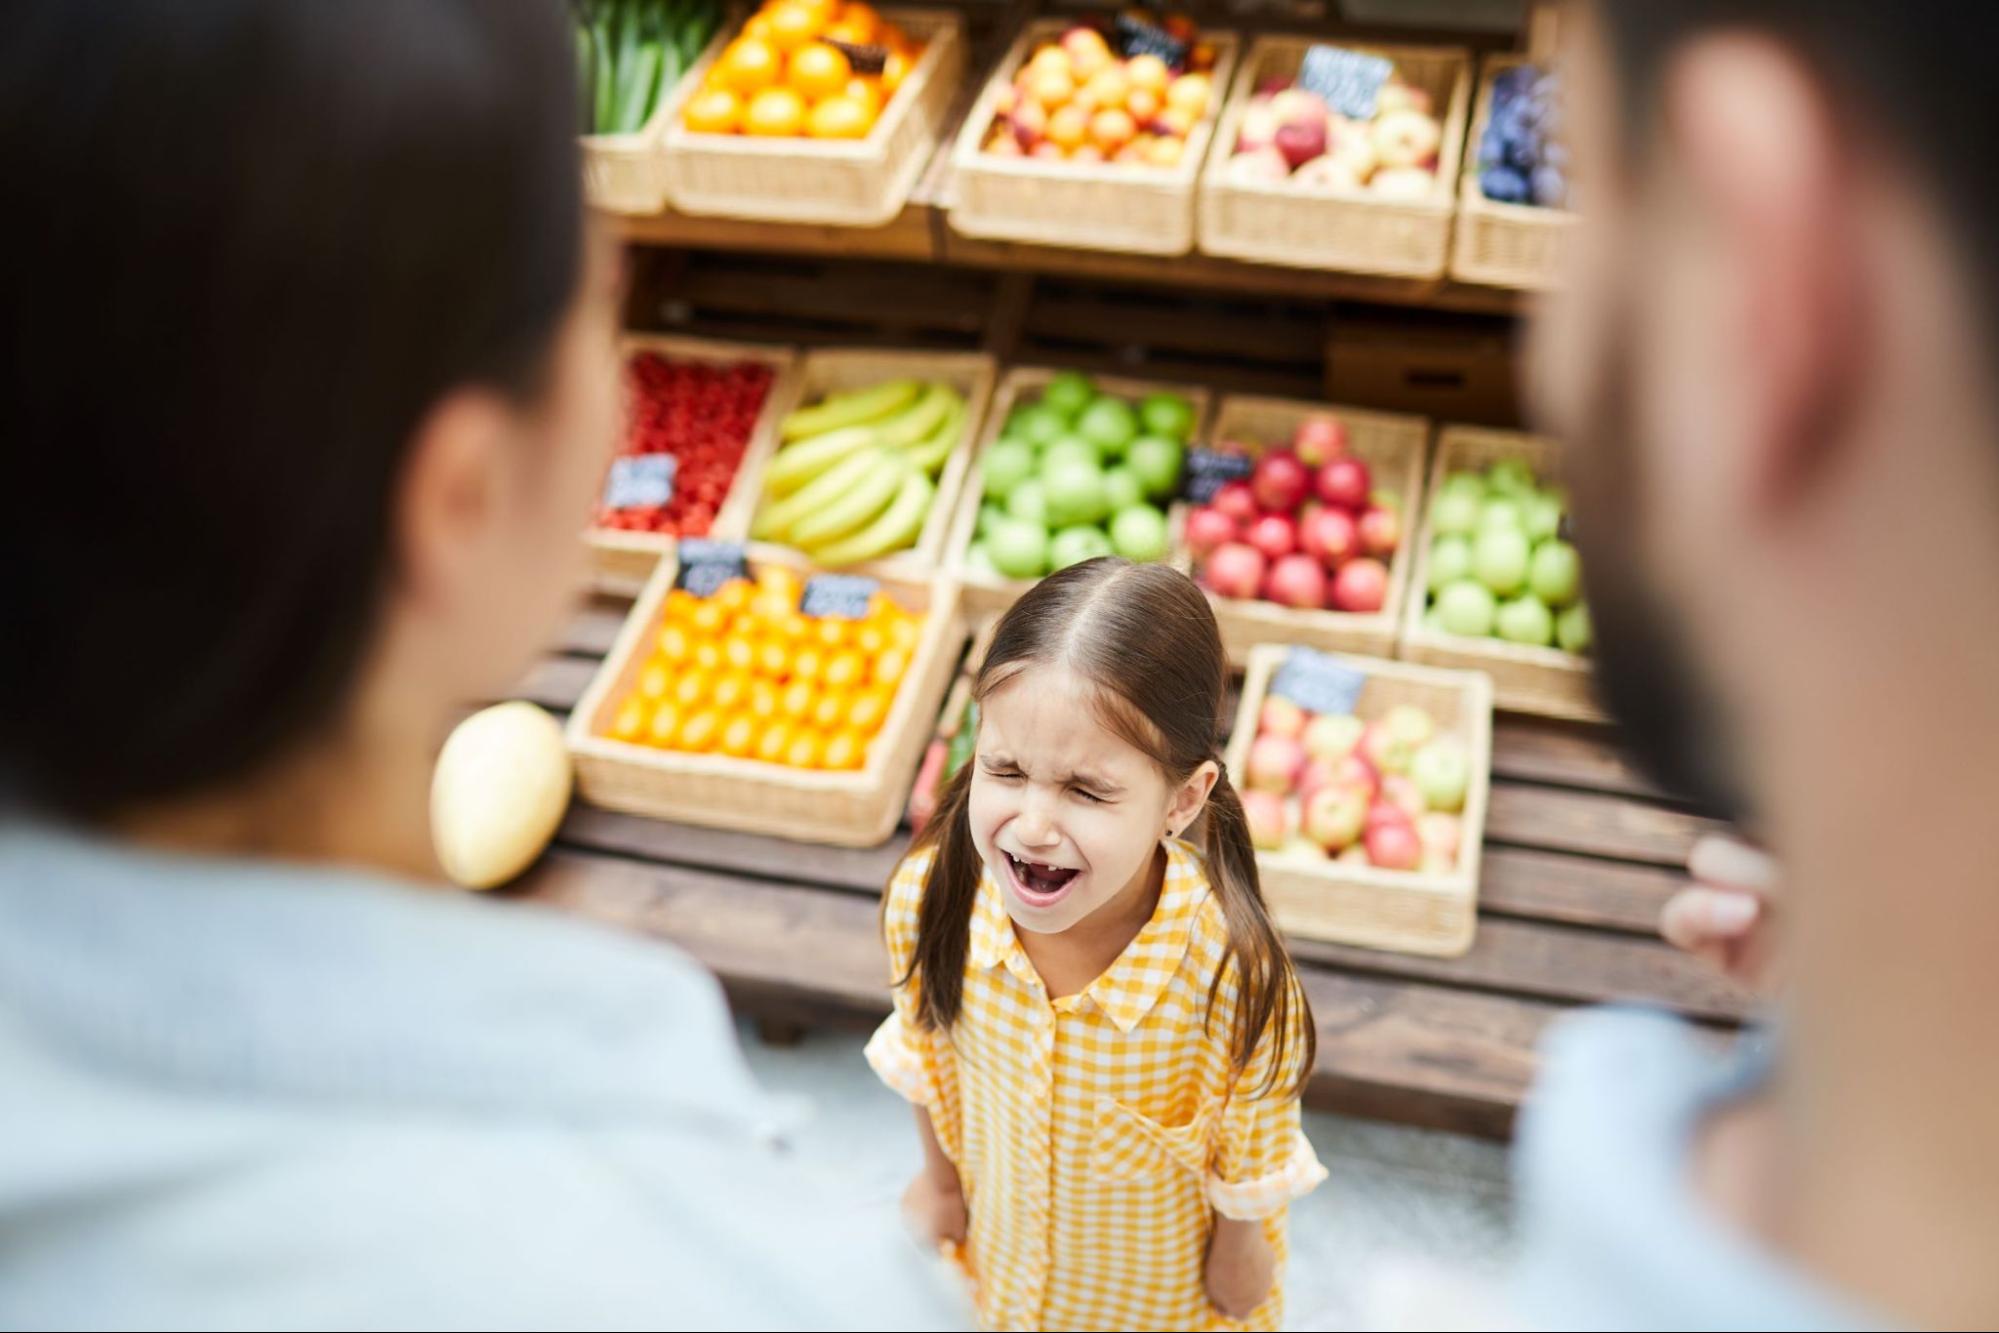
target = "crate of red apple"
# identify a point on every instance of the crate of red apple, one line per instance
(1365, 786)
(1299, 521)
(699, 417)
(1338, 157)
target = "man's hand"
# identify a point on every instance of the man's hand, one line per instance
(1726, 916)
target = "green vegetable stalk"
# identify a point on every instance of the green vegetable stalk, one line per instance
(631, 53)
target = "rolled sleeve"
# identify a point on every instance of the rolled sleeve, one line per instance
(1263, 1160)
(902, 1059)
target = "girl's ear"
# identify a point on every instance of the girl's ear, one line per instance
(1192, 795)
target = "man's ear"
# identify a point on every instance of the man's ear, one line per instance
(450, 492)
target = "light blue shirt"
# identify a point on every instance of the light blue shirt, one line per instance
(241, 1094)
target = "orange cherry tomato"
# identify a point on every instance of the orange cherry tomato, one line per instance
(870, 709)
(763, 700)
(774, 659)
(690, 688)
(708, 655)
(829, 710)
(845, 750)
(675, 644)
(804, 749)
(630, 722)
(739, 736)
(796, 701)
(731, 691)
(740, 652)
(655, 678)
(700, 732)
(665, 723)
(773, 741)
(890, 666)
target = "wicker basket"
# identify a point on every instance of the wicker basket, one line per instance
(1142, 210)
(621, 561)
(847, 809)
(852, 183)
(1526, 679)
(1407, 911)
(626, 173)
(1504, 245)
(1351, 230)
(1393, 448)
(971, 373)
(985, 592)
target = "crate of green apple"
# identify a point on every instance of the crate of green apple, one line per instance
(1365, 784)
(1074, 466)
(1364, 186)
(1310, 546)
(1502, 584)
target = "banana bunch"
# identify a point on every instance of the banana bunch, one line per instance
(857, 473)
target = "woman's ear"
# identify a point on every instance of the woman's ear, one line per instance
(1186, 805)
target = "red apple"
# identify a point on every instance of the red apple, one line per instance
(1318, 440)
(1236, 501)
(1318, 773)
(1329, 536)
(1344, 482)
(1235, 570)
(1355, 770)
(1301, 140)
(1361, 585)
(1207, 528)
(1392, 844)
(1296, 580)
(1332, 736)
(1401, 792)
(1280, 481)
(1380, 531)
(1280, 717)
(1267, 818)
(1335, 816)
(1274, 535)
(1274, 763)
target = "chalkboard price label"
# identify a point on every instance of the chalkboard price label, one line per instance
(838, 596)
(1349, 81)
(1318, 683)
(706, 564)
(1208, 470)
(640, 481)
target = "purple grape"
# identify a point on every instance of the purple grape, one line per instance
(1551, 187)
(1503, 185)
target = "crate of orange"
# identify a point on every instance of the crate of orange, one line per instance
(817, 111)
(738, 710)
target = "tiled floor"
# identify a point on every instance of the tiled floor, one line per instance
(1395, 1194)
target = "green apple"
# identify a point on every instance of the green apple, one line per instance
(1041, 424)
(1526, 620)
(1499, 560)
(1139, 533)
(1065, 447)
(1075, 492)
(1540, 516)
(1068, 394)
(1450, 560)
(1467, 607)
(1155, 461)
(1501, 512)
(1018, 548)
(1074, 545)
(1555, 575)
(1029, 500)
(1168, 415)
(1464, 483)
(1110, 424)
(1121, 488)
(980, 561)
(1008, 463)
(1442, 772)
(989, 513)
(1573, 630)
(1510, 476)
(1455, 513)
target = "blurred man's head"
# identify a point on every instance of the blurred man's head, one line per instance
(1773, 363)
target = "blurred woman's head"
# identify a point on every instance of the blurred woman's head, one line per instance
(309, 384)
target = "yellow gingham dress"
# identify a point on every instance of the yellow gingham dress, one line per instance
(1096, 1135)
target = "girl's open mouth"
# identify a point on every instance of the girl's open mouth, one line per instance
(1039, 885)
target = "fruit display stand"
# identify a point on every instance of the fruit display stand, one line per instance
(853, 183)
(622, 562)
(857, 808)
(986, 592)
(1525, 678)
(830, 370)
(626, 173)
(1285, 223)
(1407, 911)
(1110, 206)
(1504, 245)
(1394, 447)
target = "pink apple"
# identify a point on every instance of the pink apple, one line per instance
(1401, 792)
(1208, 528)
(1401, 97)
(1318, 773)
(1408, 183)
(1361, 586)
(1280, 481)
(1274, 535)
(1235, 570)
(1344, 482)
(1259, 126)
(1319, 439)
(1267, 818)
(1235, 501)
(1406, 138)
(1355, 770)
(1327, 172)
(1332, 736)
(1441, 835)
(1335, 816)
(1329, 536)
(1301, 141)
(1356, 153)
(1296, 580)
(1259, 166)
(1392, 844)
(1280, 717)
(1380, 531)
(1355, 855)
(1274, 763)
(1295, 105)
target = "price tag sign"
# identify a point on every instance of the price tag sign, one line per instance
(1349, 81)
(1318, 683)
(838, 596)
(640, 481)
(864, 59)
(706, 565)
(1208, 470)
(1133, 36)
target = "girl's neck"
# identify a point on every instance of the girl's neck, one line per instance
(1069, 961)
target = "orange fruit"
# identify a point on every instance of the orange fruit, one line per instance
(674, 644)
(1109, 88)
(762, 701)
(819, 71)
(794, 627)
(739, 736)
(691, 688)
(713, 111)
(870, 709)
(1165, 151)
(1112, 130)
(840, 117)
(1148, 72)
(1067, 127)
(773, 659)
(732, 690)
(807, 663)
(792, 26)
(845, 669)
(707, 619)
(630, 723)
(867, 90)
(654, 680)
(796, 700)
(758, 27)
(829, 710)
(1143, 104)
(708, 655)
(890, 666)
(679, 603)
(1052, 88)
(845, 750)
(861, 19)
(870, 639)
(772, 741)
(740, 652)
(830, 632)
(775, 113)
(1190, 93)
(700, 731)
(894, 71)
(750, 65)
(803, 749)
(733, 596)
(665, 723)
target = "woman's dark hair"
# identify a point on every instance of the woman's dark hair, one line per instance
(1146, 638)
(247, 245)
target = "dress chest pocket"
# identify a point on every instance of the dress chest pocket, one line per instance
(1129, 1146)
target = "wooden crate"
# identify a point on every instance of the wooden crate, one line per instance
(859, 808)
(1504, 245)
(621, 561)
(1343, 229)
(1316, 898)
(829, 370)
(1445, 367)
(851, 183)
(985, 592)
(1393, 448)
(626, 173)
(1526, 679)
(1142, 210)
